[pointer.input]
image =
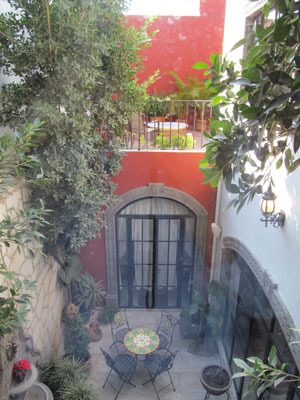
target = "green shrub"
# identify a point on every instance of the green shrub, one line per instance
(162, 142)
(66, 379)
(106, 314)
(76, 338)
(60, 370)
(79, 389)
(182, 142)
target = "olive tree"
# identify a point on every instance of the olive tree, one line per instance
(74, 65)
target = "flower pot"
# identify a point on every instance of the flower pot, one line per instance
(200, 123)
(18, 391)
(215, 379)
(39, 391)
(95, 331)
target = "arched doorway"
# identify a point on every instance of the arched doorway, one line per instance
(155, 253)
(155, 247)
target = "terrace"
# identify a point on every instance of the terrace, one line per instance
(185, 372)
(169, 125)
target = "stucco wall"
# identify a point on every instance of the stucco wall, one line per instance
(177, 170)
(42, 332)
(181, 42)
(275, 250)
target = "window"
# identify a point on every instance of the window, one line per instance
(251, 327)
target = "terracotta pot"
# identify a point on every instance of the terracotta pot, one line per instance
(95, 331)
(215, 379)
(87, 364)
(159, 119)
(199, 124)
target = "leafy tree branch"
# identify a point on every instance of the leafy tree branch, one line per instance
(21, 228)
(262, 375)
(256, 123)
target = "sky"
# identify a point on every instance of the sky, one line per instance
(164, 7)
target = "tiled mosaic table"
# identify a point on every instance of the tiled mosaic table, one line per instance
(141, 341)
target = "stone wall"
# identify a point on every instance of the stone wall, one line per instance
(42, 333)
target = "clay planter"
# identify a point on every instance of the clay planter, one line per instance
(95, 331)
(199, 124)
(215, 379)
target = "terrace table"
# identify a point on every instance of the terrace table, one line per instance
(141, 341)
(169, 127)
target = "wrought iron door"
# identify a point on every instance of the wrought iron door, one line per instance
(155, 260)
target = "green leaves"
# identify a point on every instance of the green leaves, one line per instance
(200, 65)
(258, 123)
(15, 304)
(263, 375)
(83, 83)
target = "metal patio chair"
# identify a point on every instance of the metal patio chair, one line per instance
(123, 365)
(165, 330)
(156, 364)
(119, 328)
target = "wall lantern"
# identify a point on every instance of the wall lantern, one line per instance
(267, 206)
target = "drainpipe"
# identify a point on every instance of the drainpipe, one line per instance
(216, 230)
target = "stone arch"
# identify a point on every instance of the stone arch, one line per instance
(152, 190)
(270, 288)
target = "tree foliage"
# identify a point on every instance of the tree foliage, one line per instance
(256, 123)
(74, 65)
(264, 375)
(18, 227)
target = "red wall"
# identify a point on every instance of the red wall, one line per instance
(181, 42)
(176, 170)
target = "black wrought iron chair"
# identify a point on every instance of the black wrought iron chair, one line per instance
(165, 330)
(119, 327)
(124, 365)
(156, 364)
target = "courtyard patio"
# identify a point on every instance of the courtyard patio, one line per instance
(185, 372)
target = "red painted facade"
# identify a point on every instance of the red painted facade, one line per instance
(181, 42)
(178, 170)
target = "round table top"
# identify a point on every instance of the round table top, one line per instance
(141, 341)
(167, 125)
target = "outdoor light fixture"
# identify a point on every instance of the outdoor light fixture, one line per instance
(267, 206)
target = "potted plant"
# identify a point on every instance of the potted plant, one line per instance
(106, 314)
(192, 320)
(215, 379)
(90, 294)
(191, 89)
(157, 108)
(24, 377)
(76, 337)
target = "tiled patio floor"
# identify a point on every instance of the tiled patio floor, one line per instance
(185, 372)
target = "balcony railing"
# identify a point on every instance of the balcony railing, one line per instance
(169, 125)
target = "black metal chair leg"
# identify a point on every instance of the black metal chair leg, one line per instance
(171, 381)
(107, 378)
(119, 391)
(206, 396)
(155, 390)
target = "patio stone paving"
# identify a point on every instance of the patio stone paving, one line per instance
(185, 372)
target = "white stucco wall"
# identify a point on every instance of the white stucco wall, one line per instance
(276, 250)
